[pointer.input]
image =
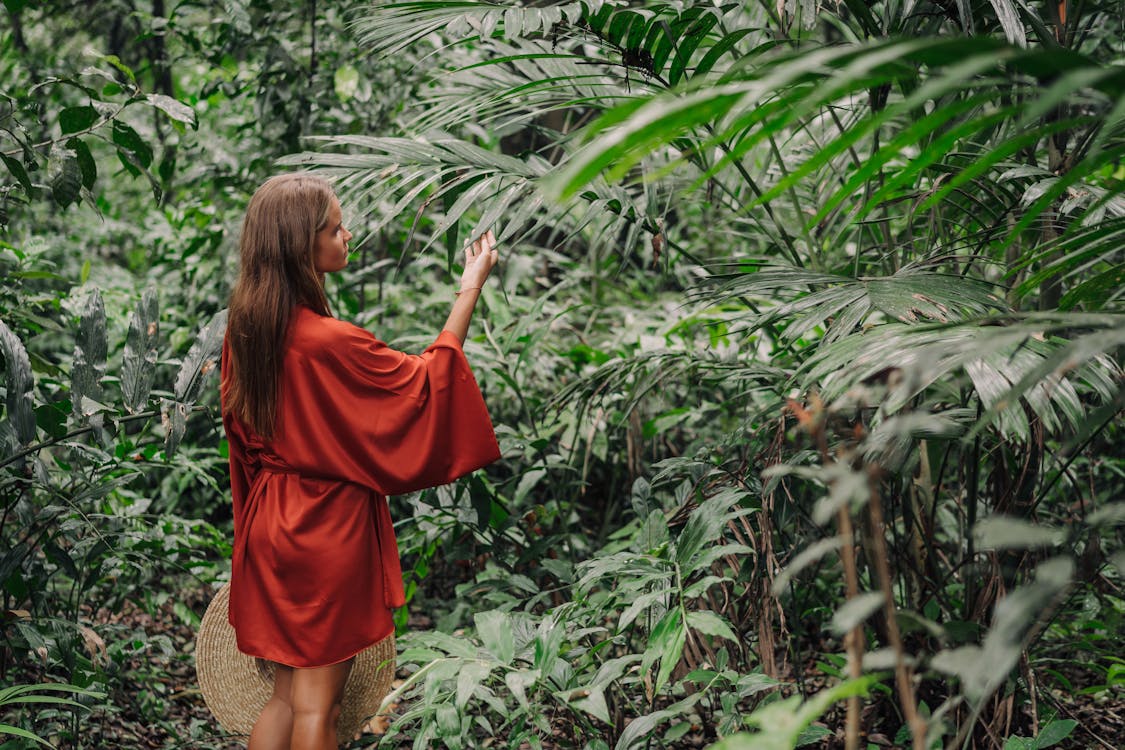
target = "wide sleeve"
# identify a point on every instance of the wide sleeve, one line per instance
(356, 409)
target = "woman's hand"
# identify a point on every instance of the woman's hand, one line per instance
(480, 257)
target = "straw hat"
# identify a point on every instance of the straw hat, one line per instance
(236, 686)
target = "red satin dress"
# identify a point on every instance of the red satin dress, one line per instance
(315, 567)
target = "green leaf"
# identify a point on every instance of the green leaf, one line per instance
(548, 642)
(18, 171)
(783, 723)
(594, 704)
(518, 681)
(642, 726)
(18, 384)
(173, 419)
(73, 119)
(855, 610)
(86, 163)
(1055, 732)
(448, 721)
(983, 668)
(138, 364)
(1010, 21)
(688, 43)
(495, 631)
(712, 624)
(90, 350)
(175, 109)
(62, 558)
(128, 139)
(115, 61)
(346, 81)
(666, 643)
(468, 678)
(17, 732)
(64, 175)
(1005, 532)
(201, 359)
(805, 558)
(653, 533)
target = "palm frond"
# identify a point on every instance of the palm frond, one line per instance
(808, 301)
(1037, 359)
(389, 28)
(630, 379)
(384, 176)
(962, 102)
(1092, 259)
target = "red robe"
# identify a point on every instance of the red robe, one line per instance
(315, 569)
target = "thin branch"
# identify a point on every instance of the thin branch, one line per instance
(82, 430)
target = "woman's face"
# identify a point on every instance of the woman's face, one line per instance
(330, 250)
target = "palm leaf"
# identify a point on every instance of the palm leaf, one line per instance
(389, 28)
(839, 304)
(1009, 361)
(484, 184)
(784, 92)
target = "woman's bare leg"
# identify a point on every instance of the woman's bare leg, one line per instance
(315, 697)
(274, 727)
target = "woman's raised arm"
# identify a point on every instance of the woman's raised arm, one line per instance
(480, 257)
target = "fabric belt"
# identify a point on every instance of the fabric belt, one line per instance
(394, 594)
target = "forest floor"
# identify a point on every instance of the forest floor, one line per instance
(159, 704)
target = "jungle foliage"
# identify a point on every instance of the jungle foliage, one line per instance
(804, 357)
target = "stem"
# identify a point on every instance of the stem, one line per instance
(79, 431)
(853, 641)
(794, 256)
(68, 136)
(970, 521)
(903, 672)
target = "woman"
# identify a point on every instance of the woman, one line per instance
(323, 421)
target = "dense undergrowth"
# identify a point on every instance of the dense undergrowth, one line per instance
(804, 357)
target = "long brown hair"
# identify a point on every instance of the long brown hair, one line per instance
(277, 273)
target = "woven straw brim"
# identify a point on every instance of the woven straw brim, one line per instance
(236, 687)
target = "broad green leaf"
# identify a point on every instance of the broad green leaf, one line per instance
(127, 138)
(1111, 514)
(641, 727)
(519, 681)
(639, 604)
(855, 610)
(666, 643)
(495, 631)
(73, 119)
(174, 108)
(173, 420)
(471, 674)
(64, 175)
(86, 163)
(653, 533)
(17, 385)
(782, 723)
(17, 732)
(803, 559)
(201, 359)
(138, 365)
(594, 704)
(1006, 532)
(18, 170)
(90, 351)
(983, 668)
(712, 624)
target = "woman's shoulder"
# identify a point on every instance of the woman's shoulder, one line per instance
(312, 333)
